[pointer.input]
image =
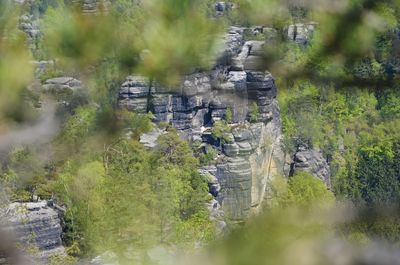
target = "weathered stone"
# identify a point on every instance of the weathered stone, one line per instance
(230, 46)
(149, 139)
(245, 148)
(30, 26)
(162, 117)
(180, 104)
(37, 226)
(301, 33)
(217, 215)
(239, 60)
(200, 118)
(218, 103)
(231, 150)
(196, 84)
(217, 114)
(313, 162)
(62, 84)
(139, 105)
(95, 6)
(195, 102)
(253, 62)
(261, 81)
(242, 134)
(238, 79)
(256, 47)
(250, 155)
(213, 185)
(235, 194)
(161, 103)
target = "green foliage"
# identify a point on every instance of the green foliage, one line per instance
(158, 196)
(122, 34)
(220, 130)
(135, 122)
(302, 190)
(254, 112)
(49, 72)
(62, 260)
(301, 114)
(78, 127)
(24, 174)
(208, 158)
(15, 72)
(306, 190)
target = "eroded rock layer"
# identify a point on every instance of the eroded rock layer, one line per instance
(37, 228)
(249, 155)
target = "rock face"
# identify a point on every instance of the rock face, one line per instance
(221, 8)
(92, 6)
(301, 33)
(313, 162)
(30, 27)
(59, 84)
(236, 84)
(38, 229)
(150, 139)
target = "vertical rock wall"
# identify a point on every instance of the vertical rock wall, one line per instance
(252, 154)
(37, 229)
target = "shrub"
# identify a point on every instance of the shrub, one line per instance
(254, 112)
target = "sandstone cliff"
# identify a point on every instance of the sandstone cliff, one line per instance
(250, 153)
(37, 228)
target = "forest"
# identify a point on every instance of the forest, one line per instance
(196, 131)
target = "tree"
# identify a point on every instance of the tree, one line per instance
(254, 112)
(301, 191)
(228, 115)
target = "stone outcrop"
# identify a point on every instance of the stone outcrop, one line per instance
(37, 227)
(62, 84)
(301, 33)
(313, 162)
(150, 139)
(221, 8)
(30, 27)
(251, 155)
(92, 6)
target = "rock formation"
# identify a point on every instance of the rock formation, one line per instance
(30, 26)
(252, 155)
(313, 162)
(301, 33)
(37, 227)
(60, 84)
(89, 7)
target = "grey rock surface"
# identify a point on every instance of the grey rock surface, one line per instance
(94, 6)
(313, 162)
(60, 84)
(30, 26)
(37, 227)
(149, 139)
(251, 153)
(301, 33)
